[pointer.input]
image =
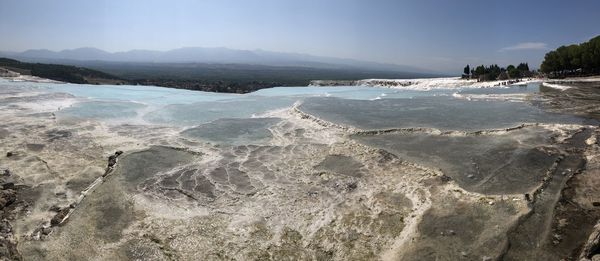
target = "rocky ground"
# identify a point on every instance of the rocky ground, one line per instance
(306, 189)
(580, 199)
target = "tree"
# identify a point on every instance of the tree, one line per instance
(503, 76)
(523, 67)
(513, 72)
(467, 70)
(494, 72)
(551, 62)
(575, 59)
(480, 70)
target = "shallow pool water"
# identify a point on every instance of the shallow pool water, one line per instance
(444, 113)
(360, 107)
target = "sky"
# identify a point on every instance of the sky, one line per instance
(442, 35)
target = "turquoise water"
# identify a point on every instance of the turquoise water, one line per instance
(189, 108)
(444, 113)
(362, 107)
(163, 96)
(529, 88)
(104, 110)
(349, 92)
(142, 94)
(153, 95)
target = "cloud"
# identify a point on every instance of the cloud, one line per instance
(526, 46)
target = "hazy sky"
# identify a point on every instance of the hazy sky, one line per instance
(439, 35)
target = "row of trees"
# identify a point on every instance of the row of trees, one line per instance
(494, 72)
(64, 73)
(573, 60)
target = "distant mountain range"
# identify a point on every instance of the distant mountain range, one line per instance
(208, 55)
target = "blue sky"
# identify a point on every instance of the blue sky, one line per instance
(440, 35)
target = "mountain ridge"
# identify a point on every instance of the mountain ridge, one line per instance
(216, 55)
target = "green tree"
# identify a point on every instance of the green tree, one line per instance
(503, 76)
(551, 62)
(480, 70)
(523, 67)
(574, 59)
(513, 72)
(467, 70)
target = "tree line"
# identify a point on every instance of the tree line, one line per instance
(64, 73)
(573, 60)
(494, 72)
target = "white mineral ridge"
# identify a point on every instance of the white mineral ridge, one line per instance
(556, 86)
(426, 84)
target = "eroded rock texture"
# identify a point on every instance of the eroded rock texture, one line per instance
(329, 179)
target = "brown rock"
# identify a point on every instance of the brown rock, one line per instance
(8, 185)
(58, 218)
(445, 178)
(7, 197)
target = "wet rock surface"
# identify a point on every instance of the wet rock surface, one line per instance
(35, 146)
(472, 159)
(536, 236)
(455, 229)
(234, 131)
(443, 113)
(299, 185)
(341, 164)
(581, 99)
(4, 133)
